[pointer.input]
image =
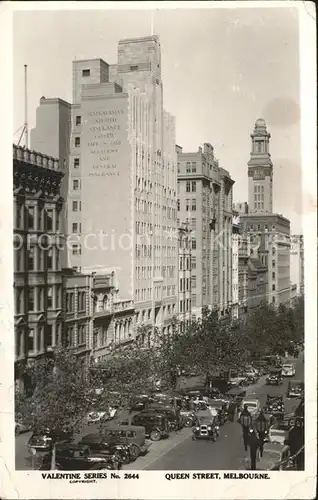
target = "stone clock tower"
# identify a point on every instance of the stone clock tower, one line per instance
(260, 172)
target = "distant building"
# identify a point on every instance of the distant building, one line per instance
(38, 239)
(257, 283)
(297, 263)
(235, 268)
(205, 203)
(240, 268)
(269, 232)
(184, 288)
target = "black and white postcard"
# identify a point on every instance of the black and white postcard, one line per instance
(158, 250)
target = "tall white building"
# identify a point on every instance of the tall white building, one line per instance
(123, 178)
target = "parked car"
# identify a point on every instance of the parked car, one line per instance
(275, 457)
(295, 389)
(132, 435)
(156, 425)
(288, 370)
(108, 445)
(172, 414)
(188, 417)
(275, 406)
(237, 394)
(274, 376)
(43, 438)
(80, 457)
(140, 402)
(279, 432)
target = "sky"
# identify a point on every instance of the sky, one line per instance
(222, 69)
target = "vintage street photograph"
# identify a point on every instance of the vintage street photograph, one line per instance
(158, 241)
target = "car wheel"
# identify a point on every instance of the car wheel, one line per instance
(135, 450)
(155, 435)
(125, 458)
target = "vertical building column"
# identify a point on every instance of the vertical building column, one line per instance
(42, 339)
(54, 333)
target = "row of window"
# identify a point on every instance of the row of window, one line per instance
(259, 205)
(184, 284)
(191, 187)
(184, 262)
(258, 188)
(34, 217)
(38, 299)
(37, 339)
(74, 337)
(185, 305)
(191, 167)
(74, 302)
(258, 197)
(37, 259)
(258, 227)
(189, 205)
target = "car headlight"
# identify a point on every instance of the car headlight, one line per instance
(209, 428)
(197, 428)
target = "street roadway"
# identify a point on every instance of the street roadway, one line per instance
(180, 452)
(227, 453)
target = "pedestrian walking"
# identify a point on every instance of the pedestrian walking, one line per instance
(261, 426)
(253, 442)
(246, 422)
(296, 441)
(232, 410)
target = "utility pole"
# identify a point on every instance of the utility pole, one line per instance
(26, 128)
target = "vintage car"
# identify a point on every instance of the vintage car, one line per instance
(80, 457)
(156, 424)
(253, 405)
(295, 389)
(205, 426)
(221, 407)
(288, 370)
(108, 445)
(275, 406)
(43, 438)
(274, 376)
(188, 417)
(172, 414)
(141, 402)
(279, 432)
(276, 456)
(131, 435)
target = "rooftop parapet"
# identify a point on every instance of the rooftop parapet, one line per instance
(21, 153)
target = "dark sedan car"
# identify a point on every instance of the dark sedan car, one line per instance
(43, 438)
(80, 457)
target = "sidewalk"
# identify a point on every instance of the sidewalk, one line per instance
(159, 448)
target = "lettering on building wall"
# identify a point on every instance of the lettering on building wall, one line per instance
(104, 141)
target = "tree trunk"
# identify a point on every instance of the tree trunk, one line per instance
(53, 457)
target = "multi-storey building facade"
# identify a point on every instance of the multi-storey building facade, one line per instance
(123, 158)
(38, 239)
(257, 282)
(184, 288)
(235, 266)
(269, 232)
(122, 180)
(297, 263)
(205, 203)
(96, 320)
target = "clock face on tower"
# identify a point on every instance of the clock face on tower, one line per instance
(258, 174)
